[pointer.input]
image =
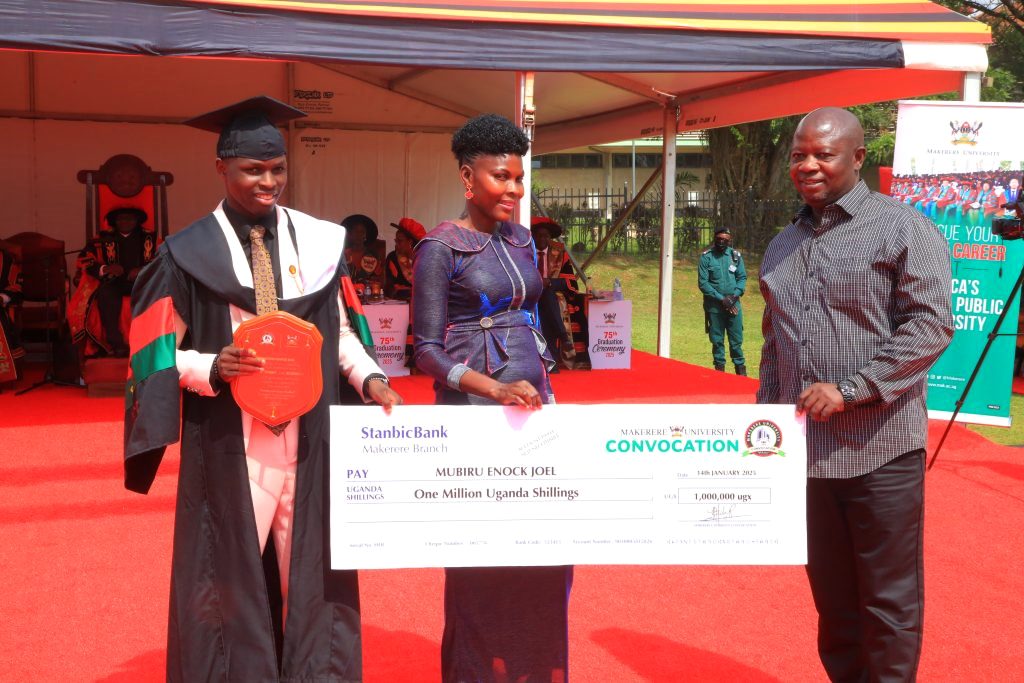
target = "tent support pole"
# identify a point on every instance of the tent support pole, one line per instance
(622, 218)
(970, 91)
(525, 119)
(668, 221)
(295, 179)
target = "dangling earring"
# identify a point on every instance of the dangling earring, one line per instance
(469, 193)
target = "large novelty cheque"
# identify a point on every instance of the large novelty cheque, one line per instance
(453, 486)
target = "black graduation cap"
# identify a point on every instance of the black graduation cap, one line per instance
(248, 128)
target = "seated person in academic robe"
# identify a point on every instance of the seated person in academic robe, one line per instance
(976, 209)
(902, 190)
(361, 240)
(968, 193)
(253, 597)
(398, 273)
(925, 203)
(918, 192)
(398, 265)
(561, 306)
(10, 295)
(993, 205)
(947, 199)
(107, 268)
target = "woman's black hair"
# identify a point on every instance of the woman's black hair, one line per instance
(359, 219)
(488, 134)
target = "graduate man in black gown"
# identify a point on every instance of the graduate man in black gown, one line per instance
(244, 487)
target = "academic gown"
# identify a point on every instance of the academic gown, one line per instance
(221, 624)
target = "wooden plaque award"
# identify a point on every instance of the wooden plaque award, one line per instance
(292, 380)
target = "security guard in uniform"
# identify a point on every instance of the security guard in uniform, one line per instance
(722, 278)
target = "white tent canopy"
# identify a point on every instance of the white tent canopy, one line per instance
(79, 82)
(64, 112)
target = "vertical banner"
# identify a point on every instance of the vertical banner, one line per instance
(389, 327)
(610, 325)
(960, 164)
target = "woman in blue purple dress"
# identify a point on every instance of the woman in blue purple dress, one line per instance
(475, 292)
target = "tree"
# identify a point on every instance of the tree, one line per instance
(1006, 19)
(749, 175)
(1006, 15)
(749, 162)
(1006, 73)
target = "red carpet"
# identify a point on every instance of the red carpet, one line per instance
(85, 564)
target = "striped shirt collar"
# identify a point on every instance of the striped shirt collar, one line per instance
(849, 204)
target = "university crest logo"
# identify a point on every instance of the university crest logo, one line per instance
(385, 323)
(763, 438)
(963, 133)
(609, 318)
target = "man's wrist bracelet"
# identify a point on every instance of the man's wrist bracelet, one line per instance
(216, 381)
(371, 377)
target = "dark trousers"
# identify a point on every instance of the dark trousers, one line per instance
(865, 564)
(108, 298)
(719, 322)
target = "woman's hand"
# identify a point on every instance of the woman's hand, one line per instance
(382, 393)
(233, 362)
(519, 393)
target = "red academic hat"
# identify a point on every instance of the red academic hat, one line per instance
(412, 228)
(554, 229)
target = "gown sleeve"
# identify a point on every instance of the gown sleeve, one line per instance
(152, 403)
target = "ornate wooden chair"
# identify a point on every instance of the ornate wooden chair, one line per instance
(123, 181)
(44, 282)
(41, 313)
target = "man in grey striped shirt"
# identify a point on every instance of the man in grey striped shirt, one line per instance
(857, 308)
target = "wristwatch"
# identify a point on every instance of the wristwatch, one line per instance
(848, 390)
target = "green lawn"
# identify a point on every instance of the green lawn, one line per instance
(639, 278)
(690, 344)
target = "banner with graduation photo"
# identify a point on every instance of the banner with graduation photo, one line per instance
(960, 164)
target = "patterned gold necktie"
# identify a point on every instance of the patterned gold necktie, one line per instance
(262, 273)
(264, 286)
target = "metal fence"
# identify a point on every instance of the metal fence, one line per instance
(587, 215)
